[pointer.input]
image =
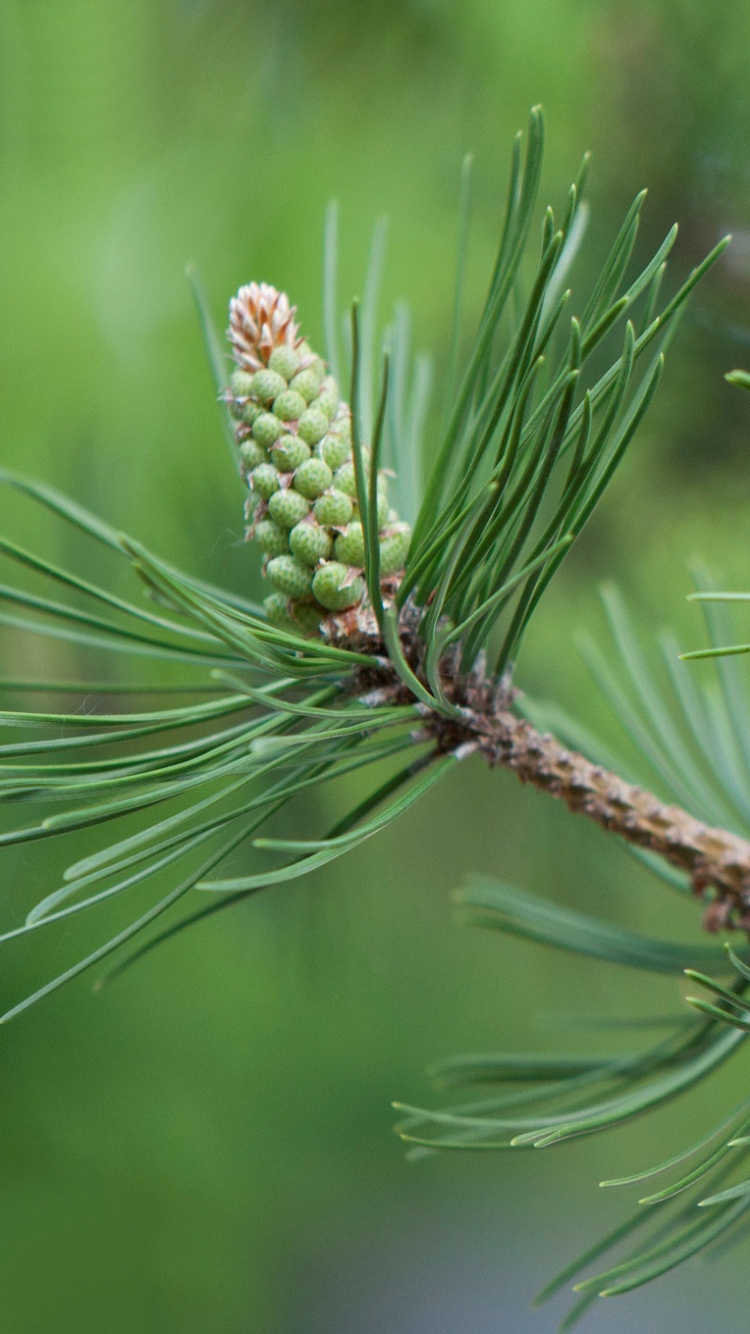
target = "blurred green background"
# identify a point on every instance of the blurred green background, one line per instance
(206, 1146)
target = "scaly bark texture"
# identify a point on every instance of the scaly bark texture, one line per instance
(714, 859)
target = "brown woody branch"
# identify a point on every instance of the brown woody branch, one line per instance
(714, 859)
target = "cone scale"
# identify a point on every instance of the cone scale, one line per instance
(293, 432)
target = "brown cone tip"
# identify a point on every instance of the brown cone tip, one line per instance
(260, 320)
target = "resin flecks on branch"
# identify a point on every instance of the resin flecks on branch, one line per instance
(295, 440)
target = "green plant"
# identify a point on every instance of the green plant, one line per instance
(396, 657)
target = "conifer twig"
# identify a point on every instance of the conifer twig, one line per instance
(482, 719)
(713, 858)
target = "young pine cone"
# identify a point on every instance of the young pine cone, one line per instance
(294, 436)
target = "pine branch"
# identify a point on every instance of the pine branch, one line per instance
(382, 647)
(480, 719)
(712, 858)
(424, 629)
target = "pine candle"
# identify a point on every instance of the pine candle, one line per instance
(295, 441)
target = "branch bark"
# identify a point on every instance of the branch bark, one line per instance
(714, 859)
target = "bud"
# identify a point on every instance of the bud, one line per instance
(394, 548)
(248, 411)
(312, 425)
(333, 589)
(290, 576)
(265, 385)
(266, 429)
(334, 450)
(310, 361)
(287, 508)
(294, 438)
(310, 543)
(288, 453)
(284, 360)
(333, 508)
(326, 404)
(288, 405)
(277, 610)
(349, 546)
(306, 383)
(312, 478)
(264, 480)
(252, 455)
(260, 320)
(271, 539)
(307, 616)
(240, 384)
(328, 398)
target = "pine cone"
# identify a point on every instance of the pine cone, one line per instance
(294, 436)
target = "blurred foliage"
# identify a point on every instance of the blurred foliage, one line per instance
(197, 1146)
